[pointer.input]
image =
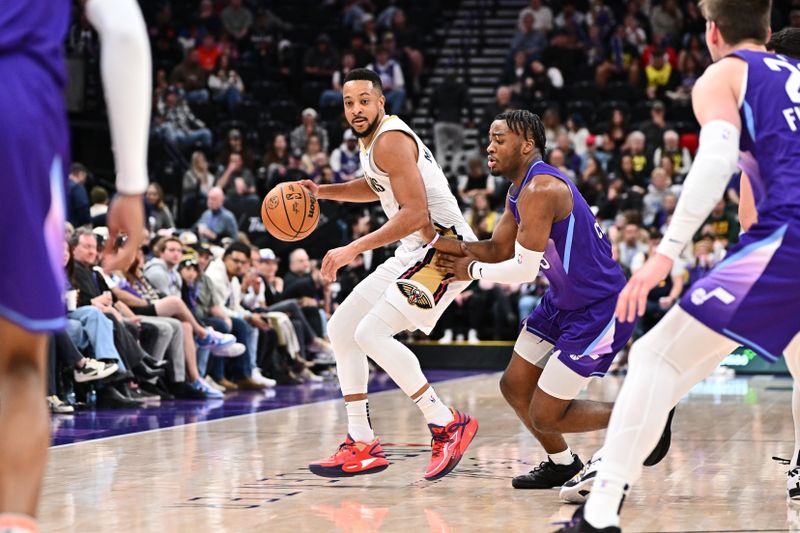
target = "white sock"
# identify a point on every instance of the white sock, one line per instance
(17, 523)
(602, 507)
(433, 409)
(358, 424)
(562, 458)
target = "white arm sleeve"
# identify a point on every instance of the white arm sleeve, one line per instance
(716, 162)
(126, 70)
(522, 268)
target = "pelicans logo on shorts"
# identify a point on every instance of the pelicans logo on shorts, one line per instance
(414, 296)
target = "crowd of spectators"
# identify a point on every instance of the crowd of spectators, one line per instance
(247, 97)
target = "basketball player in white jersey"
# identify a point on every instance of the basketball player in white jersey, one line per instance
(404, 293)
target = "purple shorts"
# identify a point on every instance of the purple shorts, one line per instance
(33, 156)
(586, 338)
(753, 295)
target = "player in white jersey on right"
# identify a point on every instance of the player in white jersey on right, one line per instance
(747, 104)
(404, 293)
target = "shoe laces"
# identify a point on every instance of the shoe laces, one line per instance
(438, 440)
(540, 468)
(346, 448)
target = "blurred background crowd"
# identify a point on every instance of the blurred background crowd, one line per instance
(247, 94)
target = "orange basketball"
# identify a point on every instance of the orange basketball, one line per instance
(290, 212)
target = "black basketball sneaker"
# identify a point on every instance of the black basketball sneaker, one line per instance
(548, 475)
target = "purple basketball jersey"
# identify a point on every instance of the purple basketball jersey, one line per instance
(34, 151)
(577, 260)
(752, 296)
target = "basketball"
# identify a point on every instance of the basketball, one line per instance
(290, 212)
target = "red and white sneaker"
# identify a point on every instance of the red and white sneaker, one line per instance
(353, 458)
(449, 444)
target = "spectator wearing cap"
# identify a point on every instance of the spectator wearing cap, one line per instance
(345, 160)
(178, 125)
(235, 144)
(299, 136)
(236, 19)
(226, 85)
(191, 77)
(321, 61)
(654, 128)
(216, 222)
(332, 98)
(160, 270)
(392, 80)
(78, 201)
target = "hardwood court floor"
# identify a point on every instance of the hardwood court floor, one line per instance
(248, 473)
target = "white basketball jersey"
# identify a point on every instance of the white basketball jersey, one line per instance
(441, 202)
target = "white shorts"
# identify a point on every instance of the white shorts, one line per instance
(413, 286)
(557, 379)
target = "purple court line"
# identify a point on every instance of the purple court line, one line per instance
(90, 425)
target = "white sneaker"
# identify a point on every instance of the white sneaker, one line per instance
(460, 337)
(472, 337)
(308, 375)
(577, 489)
(58, 406)
(793, 484)
(93, 370)
(447, 337)
(229, 350)
(214, 385)
(258, 378)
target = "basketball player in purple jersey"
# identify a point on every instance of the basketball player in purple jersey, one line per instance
(571, 336)
(747, 104)
(34, 153)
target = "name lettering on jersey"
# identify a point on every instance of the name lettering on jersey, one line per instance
(701, 296)
(375, 186)
(792, 87)
(599, 230)
(544, 264)
(428, 155)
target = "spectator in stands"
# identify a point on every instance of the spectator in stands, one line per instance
(722, 225)
(358, 49)
(240, 200)
(630, 179)
(197, 181)
(321, 61)
(502, 102)
(654, 128)
(226, 85)
(667, 19)
(704, 260)
(631, 246)
(570, 20)
(557, 158)
(179, 125)
(680, 156)
(370, 32)
(572, 160)
(659, 188)
(551, 119)
(191, 78)
(518, 77)
(695, 49)
(276, 157)
(78, 200)
(309, 161)
(208, 52)
(542, 16)
(392, 79)
(299, 136)
(448, 101)
(99, 207)
(161, 271)
(528, 39)
(664, 295)
(236, 19)
(660, 76)
(408, 41)
(345, 160)
(577, 133)
(291, 172)
(477, 181)
(635, 146)
(694, 23)
(216, 222)
(601, 17)
(234, 170)
(224, 274)
(617, 129)
(480, 216)
(592, 181)
(634, 33)
(159, 216)
(235, 145)
(332, 98)
(664, 214)
(305, 284)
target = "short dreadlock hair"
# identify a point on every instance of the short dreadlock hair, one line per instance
(786, 42)
(527, 125)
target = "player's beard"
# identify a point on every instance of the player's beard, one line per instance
(367, 132)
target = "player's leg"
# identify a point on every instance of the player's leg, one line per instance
(24, 429)
(375, 335)
(659, 363)
(792, 358)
